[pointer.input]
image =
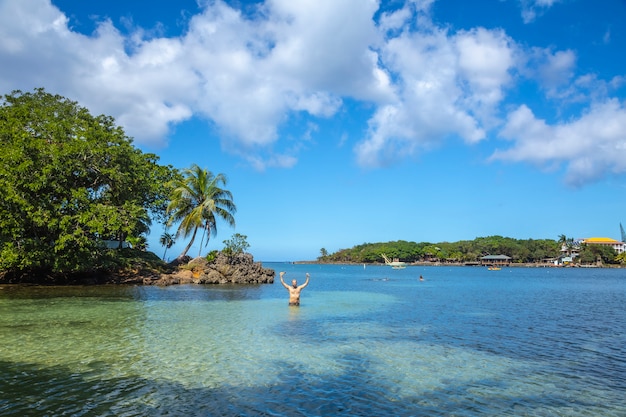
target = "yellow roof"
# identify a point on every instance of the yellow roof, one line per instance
(600, 240)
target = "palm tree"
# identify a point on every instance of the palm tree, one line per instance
(567, 244)
(168, 241)
(197, 201)
(562, 242)
(138, 242)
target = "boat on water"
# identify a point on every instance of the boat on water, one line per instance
(494, 268)
(395, 264)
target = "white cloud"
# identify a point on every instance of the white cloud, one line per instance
(553, 70)
(395, 20)
(486, 59)
(245, 75)
(446, 86)
(555, 73)
(143, 91)
(531, 9)
(272, 161)
(249, 74)
(589, 147)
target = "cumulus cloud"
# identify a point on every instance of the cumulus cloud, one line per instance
(249, 73)
(589, 147)
(144, 90)
(486, 61)
(244, 74)
(446, 85)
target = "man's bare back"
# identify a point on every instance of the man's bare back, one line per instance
(294, 289)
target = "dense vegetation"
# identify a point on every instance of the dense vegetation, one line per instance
(70, 181)
(520, 251)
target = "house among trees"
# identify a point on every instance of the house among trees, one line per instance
(574, 249)
(495, 260)
(620, 247)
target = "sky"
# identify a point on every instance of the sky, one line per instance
(342, 122)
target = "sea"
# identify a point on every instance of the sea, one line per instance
(365, 341)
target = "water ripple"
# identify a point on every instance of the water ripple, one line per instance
(526, 346)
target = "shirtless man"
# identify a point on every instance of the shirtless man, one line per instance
(294, 290)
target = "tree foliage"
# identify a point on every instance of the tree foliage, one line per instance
(197, 201)
(593, 253)
(69, 180)
(166, 240)
(237, 244)
(529, 250)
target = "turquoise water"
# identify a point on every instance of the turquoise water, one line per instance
(365, 342)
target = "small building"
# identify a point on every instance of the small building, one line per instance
(620, 247)
(564, 260)
(495, 260)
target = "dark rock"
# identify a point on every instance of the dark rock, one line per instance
(224, 269)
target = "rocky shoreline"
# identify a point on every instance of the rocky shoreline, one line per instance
(224, 269)
(145, 268)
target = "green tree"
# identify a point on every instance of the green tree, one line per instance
(166, 240)
(138, 242)
(593, 253)
(519, 250)
(69, 180)
(566, 243)
(236, 244)
(197, 201)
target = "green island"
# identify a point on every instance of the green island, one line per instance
(531, 252)
(78, 199)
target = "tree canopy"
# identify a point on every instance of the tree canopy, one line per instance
(529, 250)
(197, 201)
(70, 180)
(519, 250)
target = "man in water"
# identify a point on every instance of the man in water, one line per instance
(294, 289)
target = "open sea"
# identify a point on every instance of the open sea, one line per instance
(367, 341)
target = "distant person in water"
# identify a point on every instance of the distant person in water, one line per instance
(294, 289)
(421, 278)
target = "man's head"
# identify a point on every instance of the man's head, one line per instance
(294, 283)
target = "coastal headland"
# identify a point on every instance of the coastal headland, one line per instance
(145, 268)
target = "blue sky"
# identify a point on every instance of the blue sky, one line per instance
(344, 122)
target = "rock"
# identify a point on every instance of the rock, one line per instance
(224, 269)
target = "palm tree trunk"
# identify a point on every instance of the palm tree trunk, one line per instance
(202, 240)
(193, 236)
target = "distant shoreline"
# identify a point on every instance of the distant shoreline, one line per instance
(472, 264)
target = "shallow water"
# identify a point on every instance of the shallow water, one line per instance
(365, 342)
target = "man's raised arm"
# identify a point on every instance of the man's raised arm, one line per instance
(282, 281)
(305, 282)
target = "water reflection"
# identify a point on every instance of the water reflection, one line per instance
(134, 293)
(37, 292)
(200, 293)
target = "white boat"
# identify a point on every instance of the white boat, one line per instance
(395, 264)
